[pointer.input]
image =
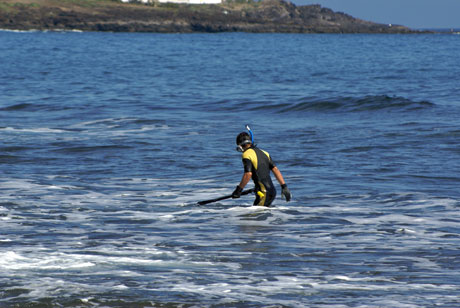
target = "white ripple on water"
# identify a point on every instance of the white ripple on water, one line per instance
(11, 261)
(118, 126)
(38, 130)
(321, 249)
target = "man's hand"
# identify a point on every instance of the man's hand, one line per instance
(237, 192)
(286, 193)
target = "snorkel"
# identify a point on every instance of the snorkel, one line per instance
(250, 133)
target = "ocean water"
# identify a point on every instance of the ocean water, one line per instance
(107, 142)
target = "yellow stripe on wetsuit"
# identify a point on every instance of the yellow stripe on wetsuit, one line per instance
(262, 193)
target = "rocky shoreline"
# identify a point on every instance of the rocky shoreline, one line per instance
(266, 16)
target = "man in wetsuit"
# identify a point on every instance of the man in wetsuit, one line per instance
(257, 165)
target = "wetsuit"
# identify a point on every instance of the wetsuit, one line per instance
(260, 164)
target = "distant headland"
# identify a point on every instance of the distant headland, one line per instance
(264, 16)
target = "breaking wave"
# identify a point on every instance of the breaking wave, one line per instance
(27, 107)
(352, 104)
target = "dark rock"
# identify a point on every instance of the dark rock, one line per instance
(264, 16)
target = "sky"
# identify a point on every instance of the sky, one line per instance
(411, 13)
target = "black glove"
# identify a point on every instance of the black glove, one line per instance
(237, 192)
(286, 193)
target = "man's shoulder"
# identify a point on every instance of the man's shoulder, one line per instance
(265, 152)
(249, 153)
(252, 152)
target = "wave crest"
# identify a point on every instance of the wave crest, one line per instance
(352, 104)
(28, 107)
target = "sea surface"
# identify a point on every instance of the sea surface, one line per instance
(108, 141)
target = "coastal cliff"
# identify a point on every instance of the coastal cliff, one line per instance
(265, 16)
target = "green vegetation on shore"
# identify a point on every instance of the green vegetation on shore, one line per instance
(230, 16)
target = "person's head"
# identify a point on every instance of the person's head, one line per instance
(243, 141)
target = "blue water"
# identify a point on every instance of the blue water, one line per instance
(107, 141)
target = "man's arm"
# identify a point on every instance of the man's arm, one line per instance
(239, 189)
(278, 175)
(245, 180)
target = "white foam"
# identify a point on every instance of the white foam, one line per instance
(220, 242)
(113, 126)
(20, 31)
(38, 130)
(389, 303)
(255, 291)
(13, 261)
(9, 257)
(407, 231)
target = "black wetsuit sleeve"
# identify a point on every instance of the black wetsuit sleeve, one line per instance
(247, 165)
(271, 164)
